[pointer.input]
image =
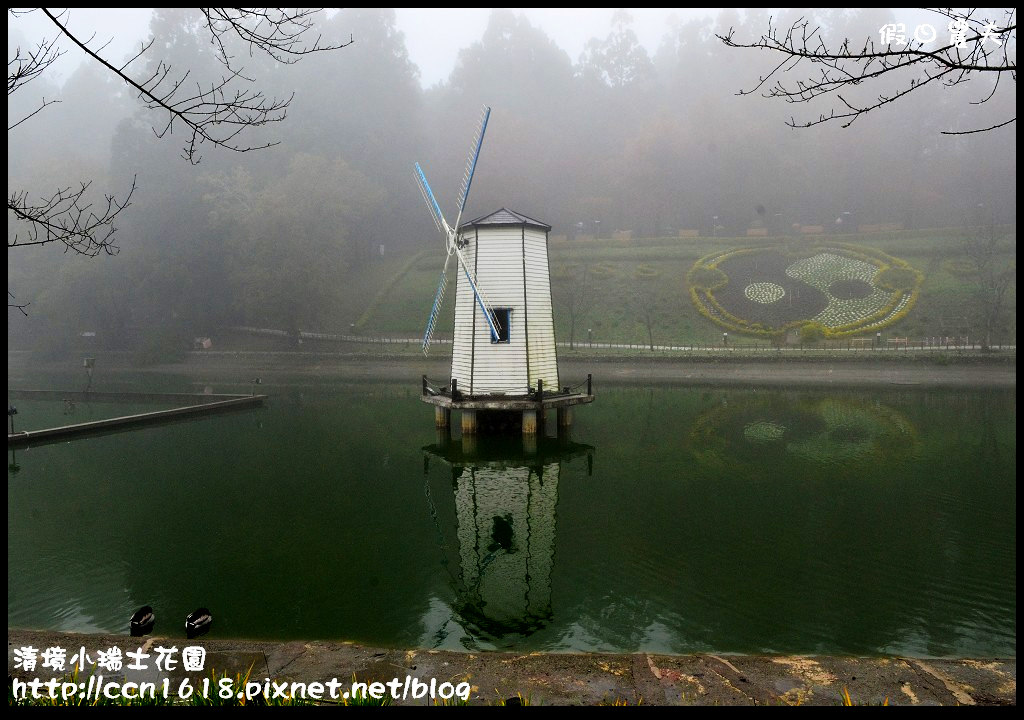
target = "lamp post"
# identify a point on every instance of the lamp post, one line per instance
(878, 340)
(13, 466)
(590, 337)
(89, 364)
(725, 339)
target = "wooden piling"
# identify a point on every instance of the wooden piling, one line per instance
(565, 416)
(530, 444)
(442, 416)
(529, 422)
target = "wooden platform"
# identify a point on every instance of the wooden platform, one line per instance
(200, 405)
(505, 402)
(533, 406)
(450, 398)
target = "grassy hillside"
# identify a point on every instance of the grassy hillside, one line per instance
(622, 277)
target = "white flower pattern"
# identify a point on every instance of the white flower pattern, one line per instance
(764, 292)
(821, 270)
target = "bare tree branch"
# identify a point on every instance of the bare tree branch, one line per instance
(981, 49)
(980, 130)
(20, 306)
(68, 217)
(26, 66)
(42, 105)
(276, 32)
(216, 114)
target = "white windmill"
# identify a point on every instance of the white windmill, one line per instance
(503, 347)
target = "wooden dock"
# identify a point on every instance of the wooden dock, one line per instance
(533, 406)
(200, 405)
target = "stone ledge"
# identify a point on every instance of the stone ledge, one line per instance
(579, 678)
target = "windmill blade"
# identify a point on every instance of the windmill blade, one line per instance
(428, 197)
(474, 155)
(484, 307)
(450, 232)
(435, 309)
(430, 206)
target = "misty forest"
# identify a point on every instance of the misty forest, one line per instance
(642, 164)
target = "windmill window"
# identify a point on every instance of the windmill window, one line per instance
(502, 319)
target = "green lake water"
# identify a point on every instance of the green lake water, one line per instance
(675, 520)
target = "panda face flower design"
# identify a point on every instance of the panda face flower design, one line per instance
(769, 289)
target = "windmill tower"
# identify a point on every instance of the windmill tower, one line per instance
(508, 253)
(503, 348)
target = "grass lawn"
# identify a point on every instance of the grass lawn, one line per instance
(626, 278)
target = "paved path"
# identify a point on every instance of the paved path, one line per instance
(234, 371)
(887, 345)
(821, 374)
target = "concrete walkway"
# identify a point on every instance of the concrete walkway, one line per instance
(863, 344)
(573, 679)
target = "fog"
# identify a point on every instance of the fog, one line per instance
(619, 141)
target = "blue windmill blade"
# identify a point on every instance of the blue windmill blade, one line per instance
(483, 306)
(431, 201)
(451, 232)
(426, 199)
(478, 296)
(435, 309)
(474, 156)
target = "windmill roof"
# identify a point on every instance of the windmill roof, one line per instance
(505, 217)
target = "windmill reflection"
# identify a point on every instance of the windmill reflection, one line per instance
(498, 541)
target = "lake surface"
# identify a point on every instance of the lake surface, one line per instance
(675, 520)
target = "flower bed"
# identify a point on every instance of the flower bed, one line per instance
(766, 291)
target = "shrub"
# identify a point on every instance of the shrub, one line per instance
(897, 278)
(960, 267)
(812, 332)
(646, 272)
(707, 278)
